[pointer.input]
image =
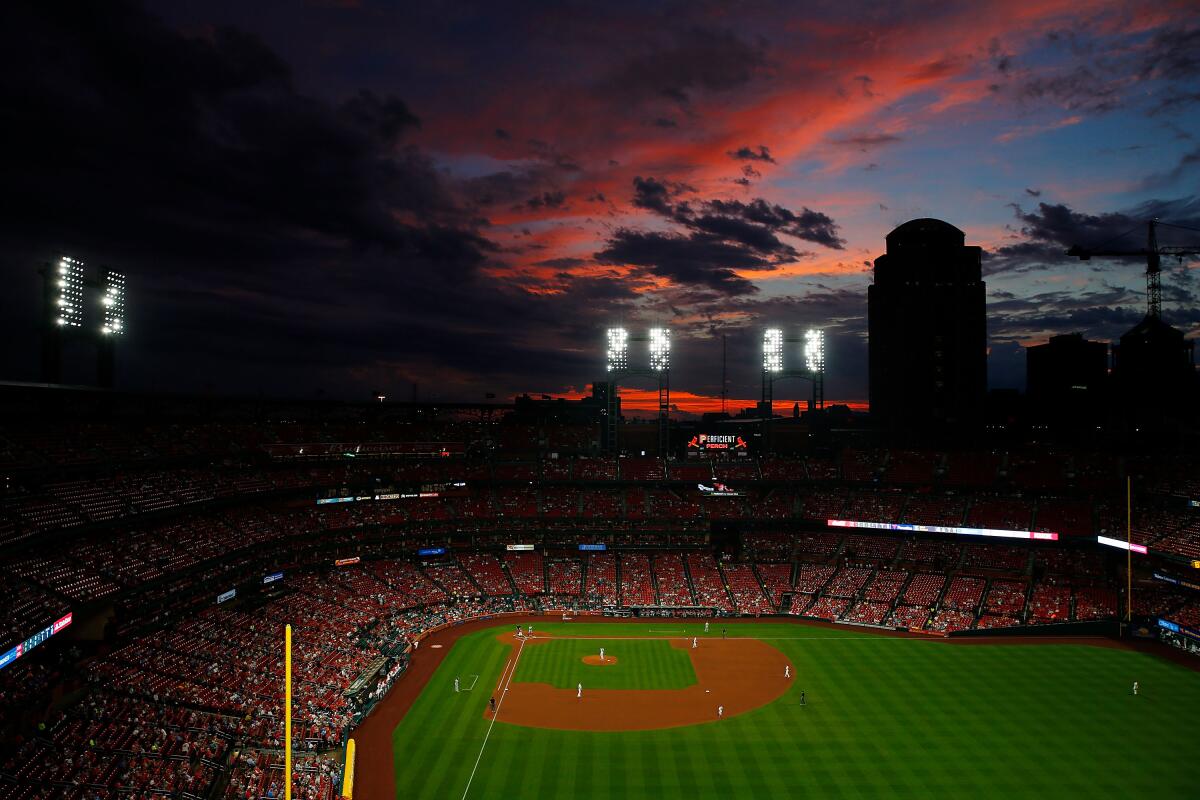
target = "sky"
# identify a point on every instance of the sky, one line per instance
(340, 198)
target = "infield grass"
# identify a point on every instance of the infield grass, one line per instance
(649, 664)
(885, 717)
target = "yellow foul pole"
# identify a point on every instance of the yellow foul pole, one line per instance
(287, 712)
(348, 777)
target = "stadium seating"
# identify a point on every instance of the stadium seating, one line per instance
(156, 520)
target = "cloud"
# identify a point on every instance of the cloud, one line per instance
(1186, 163)
(697, 60)
(745, 153)
(718, 238)
(693, 260)
(1050, 229)
(866, 141)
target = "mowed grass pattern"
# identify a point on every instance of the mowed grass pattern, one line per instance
(649, 664)
(886, 717)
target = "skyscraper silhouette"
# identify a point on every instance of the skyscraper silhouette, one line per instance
(928, 329)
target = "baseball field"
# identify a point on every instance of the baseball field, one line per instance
(881, 716)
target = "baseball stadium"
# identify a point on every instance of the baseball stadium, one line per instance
(444, 609)
(600, 400)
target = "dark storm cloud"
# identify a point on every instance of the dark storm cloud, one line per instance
(272, 240)
(187, 135)
(744, 153)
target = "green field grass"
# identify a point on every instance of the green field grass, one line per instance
(650, 664)
(886, 717)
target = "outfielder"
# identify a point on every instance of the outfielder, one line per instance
(456, 684)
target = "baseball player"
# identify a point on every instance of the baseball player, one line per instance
(456, 683)
(693, 642)
(1135, 688)
(787, 670)
(720, 712)
(579, 692)
(601, 653)
(706, 627)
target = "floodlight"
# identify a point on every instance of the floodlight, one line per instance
(773, 350)
(70, 292)
(660, 349)
(814, 350)
(618, 349)
(114, 303)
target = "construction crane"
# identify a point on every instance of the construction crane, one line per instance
(1153, 255)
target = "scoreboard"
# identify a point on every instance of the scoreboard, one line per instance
(717, 444)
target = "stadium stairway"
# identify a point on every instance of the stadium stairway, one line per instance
(687, 572)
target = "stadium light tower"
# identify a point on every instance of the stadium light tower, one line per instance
(773, 350)
(81, 307)
(814, 350)
(70, 292)
(113, 301)
(618, 349)
(660, 349)
(617, 367)
(775, 368)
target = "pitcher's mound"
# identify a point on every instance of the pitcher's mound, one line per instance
(596, 662)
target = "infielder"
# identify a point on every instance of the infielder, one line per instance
(693, 642)
(787, 670)
(579, 692)
(720, 712)
(601, 653)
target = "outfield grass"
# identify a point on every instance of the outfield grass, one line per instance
(886, 717)
(650, 664)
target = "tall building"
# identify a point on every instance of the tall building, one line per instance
(928, 329)
(1154, 371)
(1067, 380)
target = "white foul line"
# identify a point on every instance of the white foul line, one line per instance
(502, 673)
(504, 694)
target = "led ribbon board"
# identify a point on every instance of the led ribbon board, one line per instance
(1123, 545)
(33, 641)
(904, 526)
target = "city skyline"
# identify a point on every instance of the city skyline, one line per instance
(352, 197)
